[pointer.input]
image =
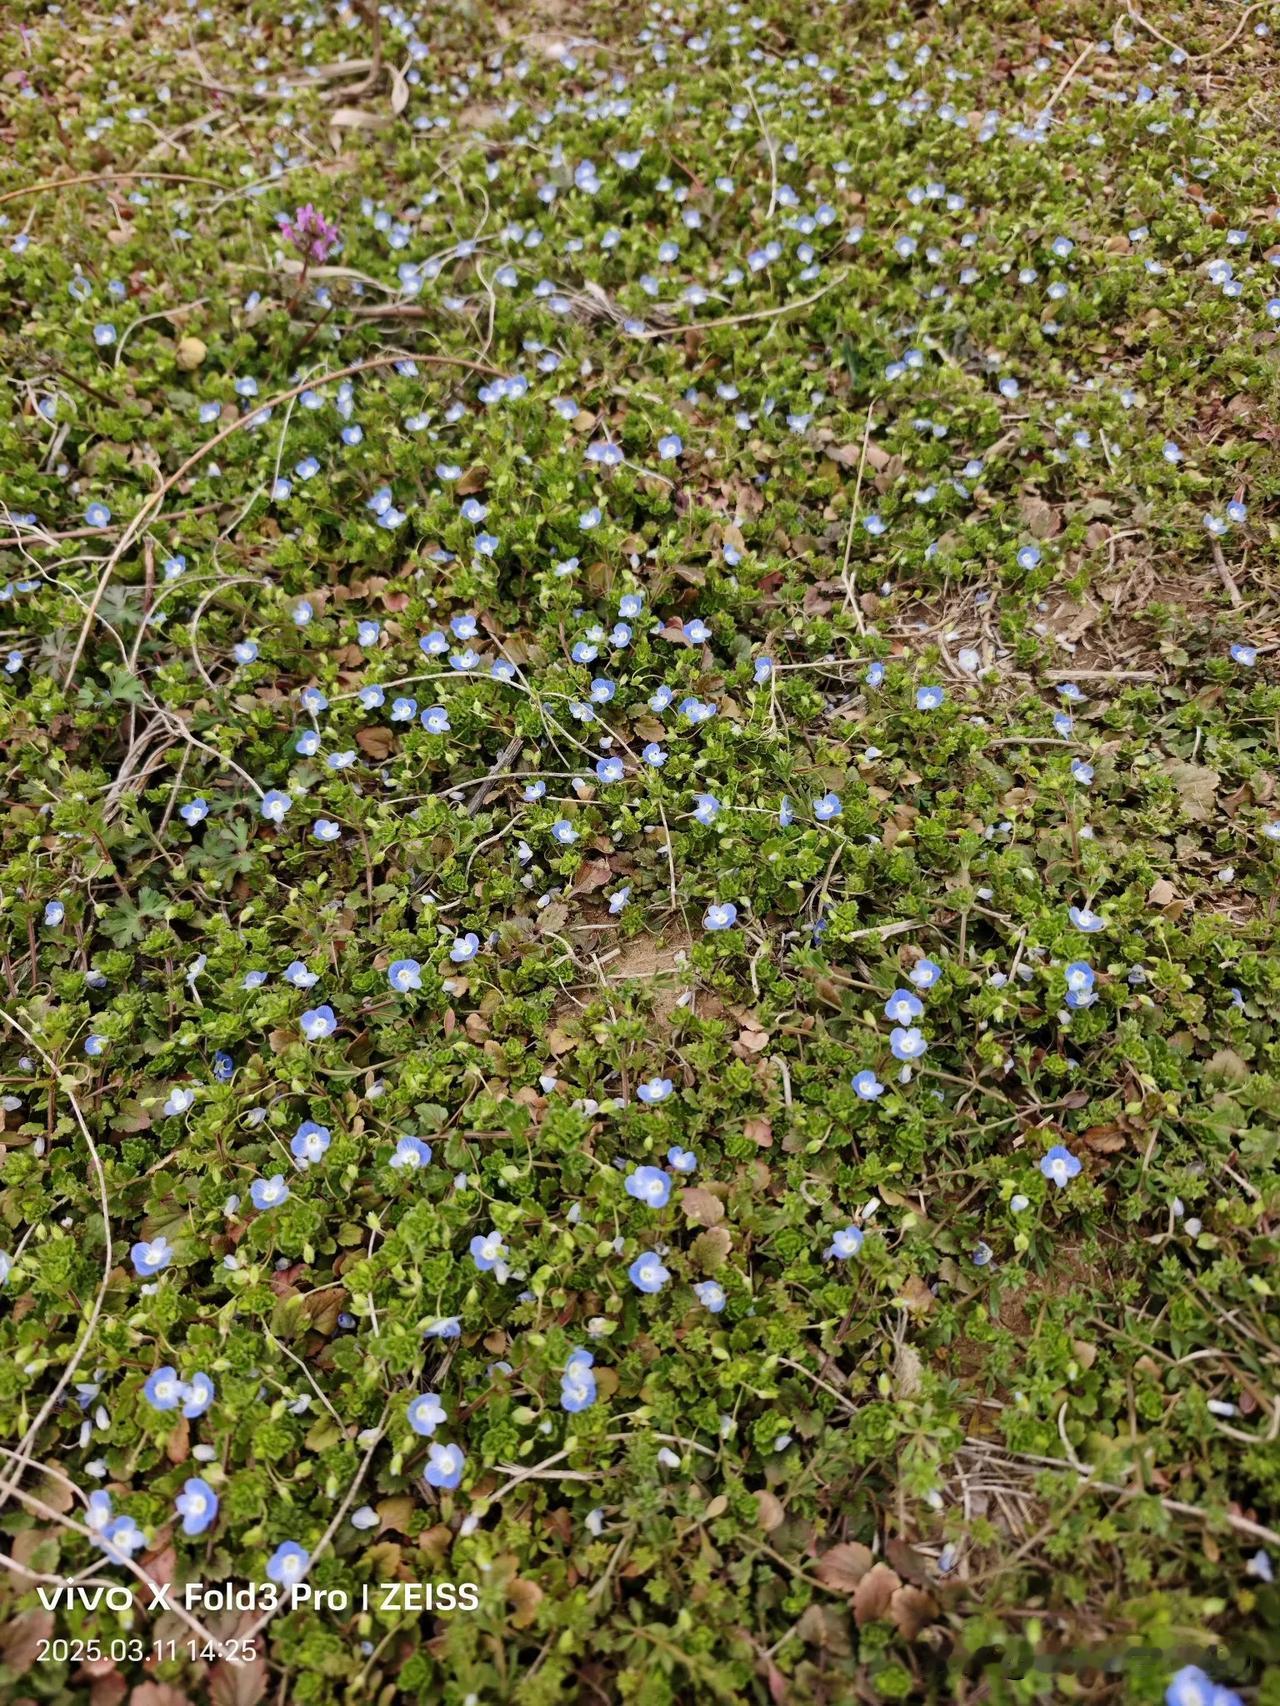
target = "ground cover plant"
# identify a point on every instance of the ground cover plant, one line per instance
(639, 851)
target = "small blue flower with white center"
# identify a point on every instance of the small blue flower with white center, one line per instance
(602, 690)
(654, 755)
(464, 948)
(411, 1153)
(902, 1007)
(224, 1067)
(163, 1390)
(610, 769)
(297, 974)
(907, 1043)
(661, 699)
(763, 671)
(253, 980)
(786, 814)
(1192, 1687)
(104, 334)
(866, 1086)
(194, 812)
(313, 700)
(710, 1295)
(425, 1414)
(875, 675)
(1081, 772)
(487, 1252)
(445, 1464)
(197, 1505)
(1080, 981)
(828, 808)
(682, 1160)
(404, 710)
(434, 644)
(318, 1023)
(647, 1273)
(1059, 1165)
(1086, 919)
(197, 1396)
(1029, 557)
(309, 1143)
(275, 805)
(54, 913)
(630, 606)
(269, 1193)
(151, 1256)
(578, 1389)
(122, 1538)
(325, 829)
(722, 916)
(95, 1045)
(97, 515)
(1245, 655)
(368, 632)
(697, 631)
(844, 1243)
(619, 900)
(1063, 724)
(303, 612)
(706, 808)
(445, 1327)
(929, 698)
(371, 698)
(404, 975)
(288, 1564)
(649, 1185)
(435, 720)
(697, 711)
(341, 760)
(534, 790)
(179, 1101)
(307, 744)
(564, 832)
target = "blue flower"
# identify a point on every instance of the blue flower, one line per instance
(1059, 1164)
(1086, 920)
(309, 1143)
(435, 720)
(929, 698)
(404, 975)
(306, 746)
(721, 916)
(151, 1256)
(197, 1396)
(649, 1185)
(94, 1044)
(444, 1327)
(661, 698)
(411, 1152)
(464, 948)
(924, 974)
(425, 1414)
(163, 1390)
(197, 1505)
(682, 1160)
(325, 829)
(866, 1086)
(907, 1043)
(577, 1383)
(245, 651)
(404, 710)
(288, 1563)
(903, 1006)
(763, 671)
(318, 1022)
(1082, 772)
(610, 769)
(54, 913)
(194, 812)
(654, 755)
(827, 808)
(564, 832)
(647, 1273)
(180, 1099)
(786, 816)
(1191, 1687)
(445, 1464)
(275, 805)
(710, 1295)
(298, 975)
(707, 808)
(654, 1090)
(845, 1243)
(486, 1253)
(1246, 655)
(1080, 981)
(602, 690)
(122, 1538)
(269, 1193)
(670, 446)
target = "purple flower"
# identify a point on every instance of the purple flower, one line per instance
(311, 234)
